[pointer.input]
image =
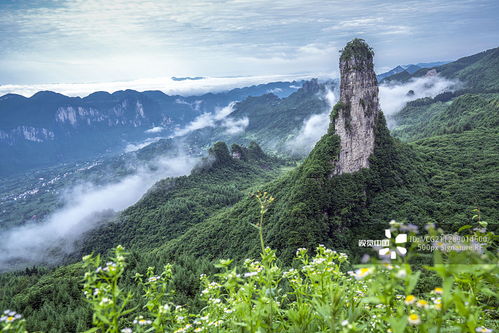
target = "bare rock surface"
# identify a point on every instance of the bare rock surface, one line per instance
(358, 108)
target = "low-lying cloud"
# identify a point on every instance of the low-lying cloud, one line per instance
(166, 85)
(219, 118)
(235, 126)
(137, 146)
(313, 128)
(394, 96)
(155, 129)
(84, 208)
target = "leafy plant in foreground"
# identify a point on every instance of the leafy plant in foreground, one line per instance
(317, 294)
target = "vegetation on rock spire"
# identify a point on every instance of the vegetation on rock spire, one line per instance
(356, 48)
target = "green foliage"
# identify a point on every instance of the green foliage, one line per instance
(464, 113)
(317, 294)
(220, 153)
(50, 301)
(264, 200)
(479, 71)
(357, 48)
(101, 289)
(172, 206)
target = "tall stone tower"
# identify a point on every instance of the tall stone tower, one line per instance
(358, 108)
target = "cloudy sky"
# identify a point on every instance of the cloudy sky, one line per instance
(78, 41)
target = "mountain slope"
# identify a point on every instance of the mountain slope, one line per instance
(174, 205)
(415, 184)
(478, 72)
(473, 105)
(429, 117)
(312, 206)
(271, 121)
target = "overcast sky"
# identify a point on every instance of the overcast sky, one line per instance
(77, 41)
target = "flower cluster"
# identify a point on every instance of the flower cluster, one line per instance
(11, 321)
(10, 316)
(317, 292)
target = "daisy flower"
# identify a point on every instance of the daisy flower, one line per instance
(422, 303)
(438, 290)
(410, 299)
(483, 329)
(414, 319)
(362, 273)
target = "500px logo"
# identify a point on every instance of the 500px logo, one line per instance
(447, 247)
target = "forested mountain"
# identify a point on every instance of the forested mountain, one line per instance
(357, 177)
(274, 122)
(445, 115)
(173, 206)
(403, 182)
(49, 128)
(472, 105)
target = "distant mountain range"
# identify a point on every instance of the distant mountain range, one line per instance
(187, 78)
(49, 128)
(410, 69)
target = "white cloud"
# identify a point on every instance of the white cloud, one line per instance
(315, 57)
(167, 85)
(202, 121)
(369, 24)
(330, 98)
(155, 129)
(274, 91)
(85, 205)
(356, 23)
(313, 128)
(396, 30)
(196, 105)
(136, 146)
(221, 113)
(394, 96)
(96, 40)
(207, 120)
(235, 126)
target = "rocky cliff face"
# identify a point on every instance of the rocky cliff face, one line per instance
(355, 114)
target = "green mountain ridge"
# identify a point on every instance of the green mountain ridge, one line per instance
(174, 205)
(477, 72)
